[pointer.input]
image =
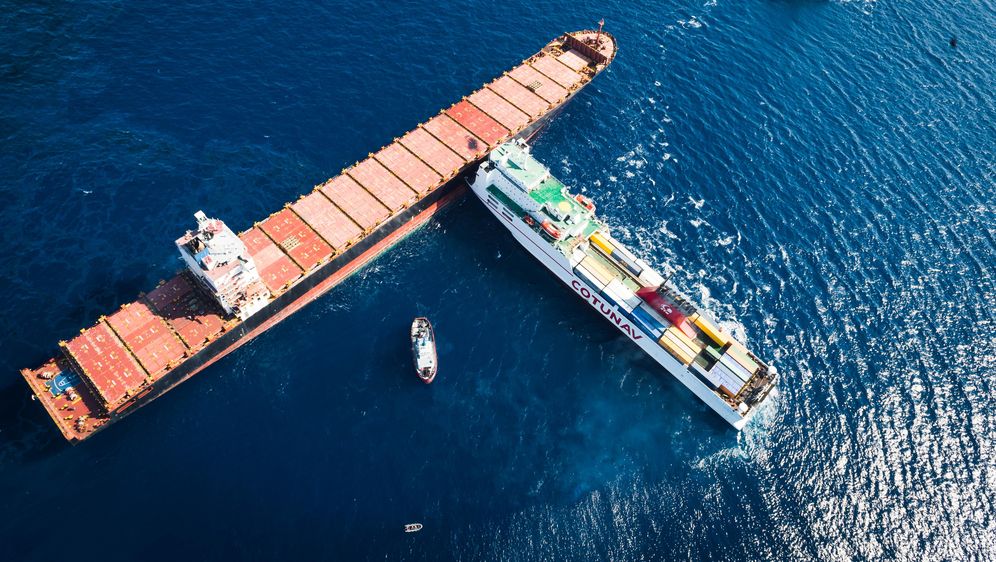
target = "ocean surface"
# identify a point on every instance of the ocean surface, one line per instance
(819, 174)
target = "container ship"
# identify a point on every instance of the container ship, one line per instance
(561, 230)
(236, 286)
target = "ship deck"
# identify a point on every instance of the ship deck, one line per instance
(550, 192)
(121, 357)
(546, 190)
(707, 351)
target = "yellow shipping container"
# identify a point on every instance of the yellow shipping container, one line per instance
(602, 243)
(680, 344)
(673, 349)
(684, 339)
(711, 330)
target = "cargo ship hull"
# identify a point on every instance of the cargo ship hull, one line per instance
(407, 182)
(320, 282)
(300, 295)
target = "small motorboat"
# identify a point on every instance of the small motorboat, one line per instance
(424, 349)
(413, 527)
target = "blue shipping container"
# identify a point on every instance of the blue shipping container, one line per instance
(647, 319)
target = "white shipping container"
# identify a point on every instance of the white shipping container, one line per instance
(609, 293)
(711, 377)
(728, 375)
(618, 247)
(731, 364)
(625, 294)
(734, 385)
(588, 278)
(680, 344)
(729, 380)
(649, 276)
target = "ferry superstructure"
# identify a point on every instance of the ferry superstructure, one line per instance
(561, 230)
(236, 286)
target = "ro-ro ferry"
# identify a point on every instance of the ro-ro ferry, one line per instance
(561, 230)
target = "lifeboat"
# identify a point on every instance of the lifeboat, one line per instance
(550, 230)
(529, 220)
(585, 202)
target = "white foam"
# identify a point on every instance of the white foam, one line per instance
(663, 229)
(690, 23)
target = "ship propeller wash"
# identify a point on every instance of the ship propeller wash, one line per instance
(561, 230)
(236, 286)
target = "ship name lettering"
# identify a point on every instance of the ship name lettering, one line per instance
(615, 317)
(606, 310)
(583, 290)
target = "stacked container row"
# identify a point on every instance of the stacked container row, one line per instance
(619, 254)
(618, 293)
(742, 357)
(648, 322)
(597, 270)
(680, 345)
(588, 277)
(726, 379)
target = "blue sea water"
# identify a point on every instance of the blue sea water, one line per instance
(820, 174)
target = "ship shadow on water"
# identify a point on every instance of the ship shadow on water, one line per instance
(679, 399)
(81, 309)
(99, 295)
(26, 433)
